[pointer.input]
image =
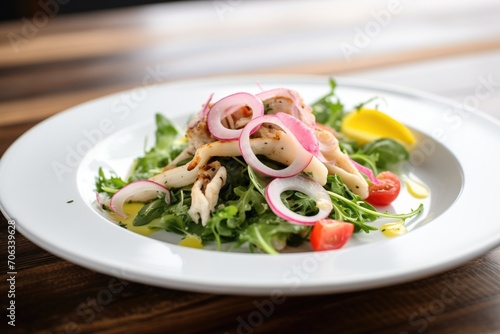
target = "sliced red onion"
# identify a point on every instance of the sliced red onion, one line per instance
(206, 107)
(305, 185)
(102, 199)
(202, 113)
(298, 110)
(218, 112)
(367, 171)
(302, 157)
(142, 190)
(303, 133)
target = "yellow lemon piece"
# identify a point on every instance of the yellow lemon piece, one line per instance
(391, 230)
(132, 209)
(366, 125)
(192, 241)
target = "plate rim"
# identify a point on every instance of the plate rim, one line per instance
(265, 288)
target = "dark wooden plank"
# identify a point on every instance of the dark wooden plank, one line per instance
(8, 134)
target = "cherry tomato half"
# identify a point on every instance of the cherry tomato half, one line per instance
(386, 192)
(328, 234)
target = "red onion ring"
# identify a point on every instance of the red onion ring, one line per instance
(102, 201)
(304, 134)
(202, 113)
(302, 158)
(367, 171)
(137, 189)
(305, 185)
(218, 111)
(297, 110)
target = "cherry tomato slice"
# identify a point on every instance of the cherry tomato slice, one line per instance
(386, 192)
(328, 234)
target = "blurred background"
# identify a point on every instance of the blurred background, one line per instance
(14, 9)
(58, 53)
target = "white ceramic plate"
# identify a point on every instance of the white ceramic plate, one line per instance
(56, 161)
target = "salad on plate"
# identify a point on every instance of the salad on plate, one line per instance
(268, 172)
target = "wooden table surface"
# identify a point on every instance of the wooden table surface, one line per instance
(50, 62)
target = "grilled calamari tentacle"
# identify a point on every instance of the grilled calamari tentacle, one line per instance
(184, 155)
(290, 102)
(279, 148)
(339, 163)
(205, 191)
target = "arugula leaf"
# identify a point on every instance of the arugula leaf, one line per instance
(248, 199)
(150, 211)
(166, 132)
(270, 234)
(227, 221)
(259, 180)
(179, 225)
(349, 207)
(328, 109)
(388, 151)
(175, 217)
(348, 146)
(236, 176)
(299, 203)
(167, 147)
(367, 160)
(223, 225)
(380, 154)
(170, 223)
(362, 104)
(248, 219)
(108, 185)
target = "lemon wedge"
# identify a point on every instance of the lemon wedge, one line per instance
(366, 125)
